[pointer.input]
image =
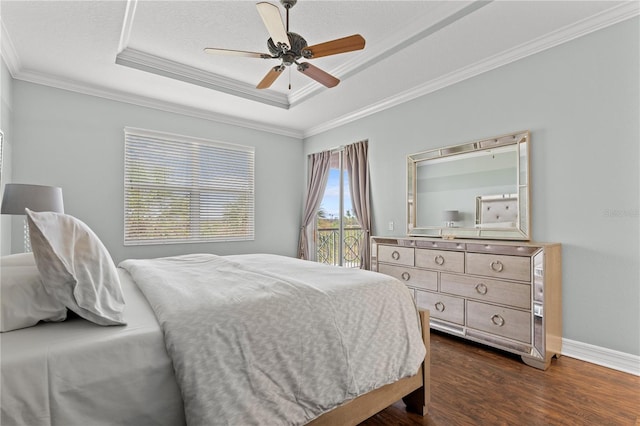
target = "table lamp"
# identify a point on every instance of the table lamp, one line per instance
(39, 198)
(450, 218)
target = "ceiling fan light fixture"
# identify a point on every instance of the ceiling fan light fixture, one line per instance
(288, 59)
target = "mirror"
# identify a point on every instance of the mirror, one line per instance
(474, 190)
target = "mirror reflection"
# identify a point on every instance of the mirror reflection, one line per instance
(479, 189)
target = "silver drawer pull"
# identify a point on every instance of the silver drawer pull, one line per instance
(405, 276)
(440, 307)
(439, 260)
(395, 255)
(481, 288)
(497, 266)
(497, 320)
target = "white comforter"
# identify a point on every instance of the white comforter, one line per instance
(271, 340)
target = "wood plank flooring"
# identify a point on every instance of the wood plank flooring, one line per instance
(476, 385)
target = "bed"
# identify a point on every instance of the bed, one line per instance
(342, 325)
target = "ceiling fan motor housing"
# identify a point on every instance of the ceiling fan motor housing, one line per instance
(295, 51)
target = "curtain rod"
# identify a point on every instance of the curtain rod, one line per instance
(337, 148)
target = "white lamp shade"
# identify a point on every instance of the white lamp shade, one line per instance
(38, 198)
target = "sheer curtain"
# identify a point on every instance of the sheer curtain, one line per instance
(319, 165)
(357, 165)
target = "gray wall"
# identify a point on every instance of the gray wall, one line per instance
(76, 141)
(581, 102)
(6, 120)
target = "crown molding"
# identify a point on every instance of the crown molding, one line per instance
(148, 62)
(442, 16)
(167, 68)
(586, 26)
(607, 18)
(8, 51)
(11, 58)
(93, 90)
(127, 24)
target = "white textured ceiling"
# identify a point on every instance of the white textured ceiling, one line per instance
(413, 47)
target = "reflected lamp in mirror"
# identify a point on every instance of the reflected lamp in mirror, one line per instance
(450, 217)
(17, 197)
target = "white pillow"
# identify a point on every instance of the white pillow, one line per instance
(75, 267)
(23, 299)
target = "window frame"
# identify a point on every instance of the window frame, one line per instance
(193, 214)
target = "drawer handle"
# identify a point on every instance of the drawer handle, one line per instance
(497, 266)
(395, 255)
(439, 260)
(481, 288)
(440, 307)
(497, 320)
(405, 276)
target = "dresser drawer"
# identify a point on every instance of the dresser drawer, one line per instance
(447, 308)
(504, 322)
(396, 255)
(504, 292)
(498, 266)
(442, 260)
(412, 277)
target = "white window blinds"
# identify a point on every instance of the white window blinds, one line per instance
(180, 189)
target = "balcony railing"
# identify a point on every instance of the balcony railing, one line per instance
(328, 246)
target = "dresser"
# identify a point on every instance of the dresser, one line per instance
(500, 293)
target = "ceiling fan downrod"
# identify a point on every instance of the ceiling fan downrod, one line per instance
(288, 4)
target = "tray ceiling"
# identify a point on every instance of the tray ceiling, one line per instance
(150, 52)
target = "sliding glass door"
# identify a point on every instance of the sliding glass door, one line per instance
(338, 234)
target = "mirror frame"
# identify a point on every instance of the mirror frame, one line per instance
(522, 231)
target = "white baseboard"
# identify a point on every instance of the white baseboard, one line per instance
(602, 356)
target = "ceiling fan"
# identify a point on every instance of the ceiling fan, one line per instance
(291, 47)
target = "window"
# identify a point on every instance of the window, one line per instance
(180, 189)
(338, 233)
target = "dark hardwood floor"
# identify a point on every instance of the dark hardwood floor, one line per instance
(476, 385)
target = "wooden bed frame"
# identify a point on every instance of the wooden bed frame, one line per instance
(414, 391)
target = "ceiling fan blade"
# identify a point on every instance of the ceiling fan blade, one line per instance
(271, 76)
(229, 52)
(272, 19)
(318, 75)
(333, 47)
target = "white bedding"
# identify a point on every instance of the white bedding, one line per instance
(79, 373)
(271, 340)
